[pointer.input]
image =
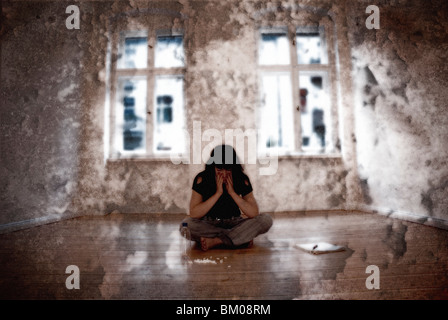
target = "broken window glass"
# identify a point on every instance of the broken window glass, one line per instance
(276, 112)
(311, 47)
(314, 108)
(274, 49)
(169, 117)
(169, 52)
(132, 106)
(135, 53)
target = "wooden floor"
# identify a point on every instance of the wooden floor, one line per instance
(137, 256)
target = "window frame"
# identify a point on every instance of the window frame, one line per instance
(150, 72)
(295, 69)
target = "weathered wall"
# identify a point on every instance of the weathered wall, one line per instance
(224, 81)
(221, 86)
(53, 109)
(40, 114)
(400, 111)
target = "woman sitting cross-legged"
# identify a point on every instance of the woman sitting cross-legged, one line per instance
(220, 193)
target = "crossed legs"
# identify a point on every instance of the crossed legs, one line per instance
(231, 233)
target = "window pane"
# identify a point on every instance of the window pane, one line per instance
(315, 110)
(135, 53)
(131, 115)
(276, 126)
(169, 115)
(274, 49)
(169, 52)
(310, 48)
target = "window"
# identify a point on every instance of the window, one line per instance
(135, 53)
(169, 116)
(149, 117)
(295, 110)
(274, 48)
(311, 46)
(314, 109)
(169, 52)
(276, 112)
(132, 118)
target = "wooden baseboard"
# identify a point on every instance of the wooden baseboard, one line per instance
(408, 216)
(35, 222)
(24, 224)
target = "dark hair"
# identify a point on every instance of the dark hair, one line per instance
(224, 157)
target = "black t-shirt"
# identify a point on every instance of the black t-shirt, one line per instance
(225, 207)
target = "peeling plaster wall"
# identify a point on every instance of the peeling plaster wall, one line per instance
(224, 81)
(40, 114)
(221, 88)
(53, 108)
(124, 186)
(400, 110)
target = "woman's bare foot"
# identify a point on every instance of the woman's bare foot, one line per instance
(208, 243)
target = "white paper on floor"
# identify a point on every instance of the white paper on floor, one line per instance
(320, 248)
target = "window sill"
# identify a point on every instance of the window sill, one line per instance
(175, 160)
(305, 155)
(155, 158)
